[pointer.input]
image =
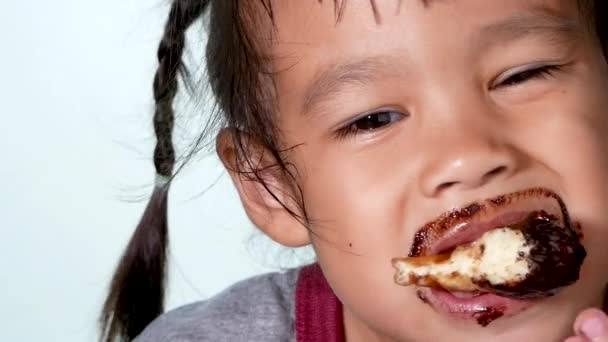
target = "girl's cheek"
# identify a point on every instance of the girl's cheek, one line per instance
(570, 141)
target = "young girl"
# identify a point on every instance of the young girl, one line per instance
(349, 125)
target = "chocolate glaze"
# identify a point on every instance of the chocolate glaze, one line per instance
(488, 315)
(437, 228)
(555, 259)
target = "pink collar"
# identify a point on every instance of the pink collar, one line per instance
(318, 310)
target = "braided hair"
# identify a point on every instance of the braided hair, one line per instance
(241, 85)
(137, 289)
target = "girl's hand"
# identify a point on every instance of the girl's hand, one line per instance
(591, 325)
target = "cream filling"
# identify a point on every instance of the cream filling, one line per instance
(498, 257)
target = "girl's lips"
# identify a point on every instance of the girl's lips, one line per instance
(468, 223)
(483, 307)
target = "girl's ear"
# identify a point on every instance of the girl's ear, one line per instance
(265, 199)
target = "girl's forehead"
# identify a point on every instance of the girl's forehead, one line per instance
(317, 42)
(303, 28)
(293, 20)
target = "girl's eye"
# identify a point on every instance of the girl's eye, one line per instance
(370, 122)
(527, 75)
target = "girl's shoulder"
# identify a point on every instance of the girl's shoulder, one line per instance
(261, 308)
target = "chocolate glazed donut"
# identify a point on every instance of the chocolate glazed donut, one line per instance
(555, 259)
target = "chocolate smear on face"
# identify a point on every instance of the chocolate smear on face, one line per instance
(434, 230)
(498, 200)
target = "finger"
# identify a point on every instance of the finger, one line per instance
(592, 324)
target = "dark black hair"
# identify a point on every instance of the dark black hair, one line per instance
(237, 75)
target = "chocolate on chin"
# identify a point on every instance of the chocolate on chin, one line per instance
(531, 259)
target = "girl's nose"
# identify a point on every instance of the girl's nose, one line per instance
(468, 163)
(470, 143)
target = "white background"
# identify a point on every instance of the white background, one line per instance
(75, 164)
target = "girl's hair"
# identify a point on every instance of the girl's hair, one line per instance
(243, 90)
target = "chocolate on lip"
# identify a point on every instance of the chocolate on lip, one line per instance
(468, 223)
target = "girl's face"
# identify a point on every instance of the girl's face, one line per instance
(405, 111)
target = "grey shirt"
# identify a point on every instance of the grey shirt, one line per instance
(257, 309)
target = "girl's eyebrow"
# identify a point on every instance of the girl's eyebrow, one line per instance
(335, 78)
(540, 23)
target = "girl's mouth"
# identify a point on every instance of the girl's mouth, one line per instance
(458, 258)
